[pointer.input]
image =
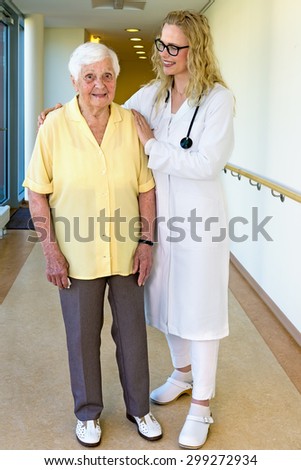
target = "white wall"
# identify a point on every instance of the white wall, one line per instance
(258, 45)
(59, 44)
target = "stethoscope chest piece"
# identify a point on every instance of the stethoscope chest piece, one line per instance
(186, 143)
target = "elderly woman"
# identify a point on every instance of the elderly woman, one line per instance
(89, 188)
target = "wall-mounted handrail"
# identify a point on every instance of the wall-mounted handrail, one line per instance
(277, 190)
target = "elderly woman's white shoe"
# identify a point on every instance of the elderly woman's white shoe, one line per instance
(170, 391)
(194, 432)
(88, 433)
(147, 426)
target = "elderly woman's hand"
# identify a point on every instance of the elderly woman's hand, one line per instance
(143, 260)
(57, 268)
(144, 131)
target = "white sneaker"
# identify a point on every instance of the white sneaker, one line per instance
(148, 427)
(170, 391)
(88, 433)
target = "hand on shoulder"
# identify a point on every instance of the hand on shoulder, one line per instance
(42, 116)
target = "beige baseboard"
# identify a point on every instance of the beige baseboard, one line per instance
(289, 327)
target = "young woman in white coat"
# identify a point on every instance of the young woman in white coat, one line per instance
(184, 120)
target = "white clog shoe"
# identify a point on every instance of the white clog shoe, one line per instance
(194, 432)
(170, 391)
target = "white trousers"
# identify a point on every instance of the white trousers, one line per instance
(202, 356)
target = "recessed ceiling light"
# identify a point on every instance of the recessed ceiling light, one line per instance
(140, 52)
(138, 46)
(142, 57)
(135, 39)
(132, 30)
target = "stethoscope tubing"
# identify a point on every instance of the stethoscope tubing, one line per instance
(186, 142)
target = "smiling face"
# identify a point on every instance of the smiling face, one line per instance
(96, 85)
(174, 65)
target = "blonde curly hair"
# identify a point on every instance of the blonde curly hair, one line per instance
(202, 64)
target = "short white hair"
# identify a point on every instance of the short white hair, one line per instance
(89, 53)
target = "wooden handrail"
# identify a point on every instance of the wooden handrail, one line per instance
(256, 180)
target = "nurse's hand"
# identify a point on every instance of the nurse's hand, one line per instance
(144, 131)
(143, 260)
(43, 114)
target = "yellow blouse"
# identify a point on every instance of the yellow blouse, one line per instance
(93, 189)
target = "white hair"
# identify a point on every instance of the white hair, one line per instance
(89, 53)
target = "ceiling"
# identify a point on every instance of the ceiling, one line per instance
(107, 22)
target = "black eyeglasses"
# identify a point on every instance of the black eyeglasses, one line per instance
(171, 49)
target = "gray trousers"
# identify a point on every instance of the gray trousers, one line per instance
(82, 307)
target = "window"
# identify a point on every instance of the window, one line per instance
(3, 113)
(11, 105)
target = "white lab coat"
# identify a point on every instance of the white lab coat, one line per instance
(186, 294)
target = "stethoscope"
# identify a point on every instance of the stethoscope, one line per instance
(186, 142)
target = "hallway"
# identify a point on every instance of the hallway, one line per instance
(257, 403)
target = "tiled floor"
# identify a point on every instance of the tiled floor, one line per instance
(282, 345)
(257, 403)
(15, 248)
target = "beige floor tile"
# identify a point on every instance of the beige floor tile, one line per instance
(256, 405)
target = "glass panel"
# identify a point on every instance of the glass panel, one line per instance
(3, 114)
(21, 165)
